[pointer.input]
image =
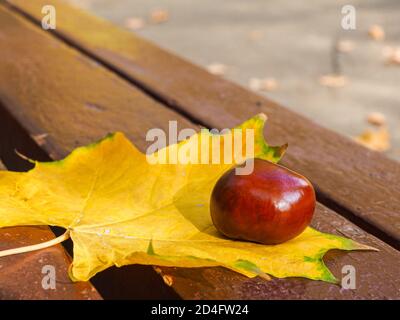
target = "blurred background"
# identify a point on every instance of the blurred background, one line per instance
(294, 52)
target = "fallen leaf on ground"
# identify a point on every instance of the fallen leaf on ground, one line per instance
(376, 32)
(120, 209)
(159, 16)
(333, 81)
(134, 23)
(266, 84)
(376, 118)
(217, 69)
(255, 35)
(345, 46)
(375, 139)
(391, 55)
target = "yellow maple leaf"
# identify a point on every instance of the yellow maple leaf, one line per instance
(119, 209)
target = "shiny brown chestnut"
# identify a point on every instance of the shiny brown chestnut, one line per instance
(271, 205)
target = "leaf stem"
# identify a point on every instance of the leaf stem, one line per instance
(35, 247)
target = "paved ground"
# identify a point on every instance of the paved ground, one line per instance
(291, 41)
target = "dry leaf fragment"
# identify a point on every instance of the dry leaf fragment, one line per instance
(134, 23)
(376, 32)
(333, 80)
(266, 84)
(168, 280)
(376, 118)
(255, 35)
(159, 16)
(395, 58)
(345, 46)
(217, 69)
(391, 55)
(40, 139)
(375, 139)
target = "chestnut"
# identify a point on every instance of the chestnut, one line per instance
(271, 205)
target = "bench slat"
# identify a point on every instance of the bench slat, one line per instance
(55, 103)
(21, 275)
(360, 184)
(370, 268)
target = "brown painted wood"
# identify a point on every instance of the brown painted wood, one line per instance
(361, 184)
(21, 275)
(47, 86)
(371, 281)
(80, 94)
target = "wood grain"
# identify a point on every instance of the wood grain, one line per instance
(46, 86)
(60, 88)
(21, 275)
(361, 184)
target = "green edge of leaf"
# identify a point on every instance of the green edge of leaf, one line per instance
(345, 244)
(78, 150)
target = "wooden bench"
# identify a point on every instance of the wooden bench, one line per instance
(68, 87)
